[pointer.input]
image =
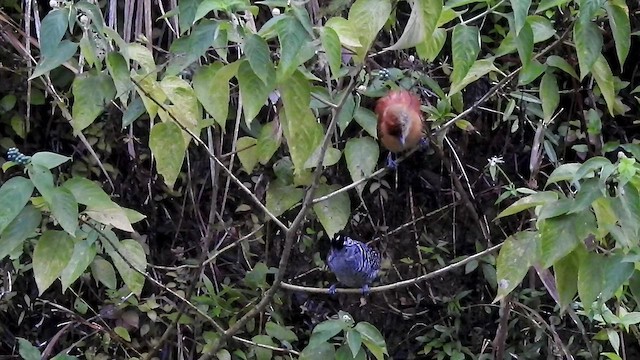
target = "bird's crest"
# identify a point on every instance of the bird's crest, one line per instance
(338, 241)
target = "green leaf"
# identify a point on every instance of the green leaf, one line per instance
(168, 147)
(332, 49)
(123, 333)
(354, 340)
(268, 141)
(187, 49)
(361, 155)
(372, 339)
(103, 272)
(320, 351)
(28, 351)
(421, 24)
(50, 256)
(14, 195)
(345, 30)
(23, 226)
(83, 255)
(524, 44)
(211, 84)
(334, 212)
(519, 252)
(65, 51)
(87, 192)
(566, 275)
(257, 52)
(143, 56)
(48, 159)
(325, 331)
(253, 91)
(367, 18)
(465, 46)
(331, 157)
(587, 168)
(114, 216)
(184, 107)
(346, 113)
(479, 69)
(292, 37)
(562, 64)
(43, 180)
(263, 353)
(134, 110)
(368, 120)
(563, 172)
(604, 77)
(560, 235)
(600, 276)
(430, 48)
(52, 29)
(189, 9)
(134, 253)
(92, 93)
(548, 4)
(618, 13)
(299, 125)
(64, 209)
(528, 202)
(520, 12)
(532, 71)
(280, 332)
(281, 197)
(588, 39)
(549, 95)
(247, 152)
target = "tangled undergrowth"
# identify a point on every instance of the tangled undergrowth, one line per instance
(208, 233)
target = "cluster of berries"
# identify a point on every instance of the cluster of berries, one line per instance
(13, 154)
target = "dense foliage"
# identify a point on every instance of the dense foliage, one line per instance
(174, 171)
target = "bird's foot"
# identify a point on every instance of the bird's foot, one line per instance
(365, 290)
(333, 290)
(424, 143)
(391, 162)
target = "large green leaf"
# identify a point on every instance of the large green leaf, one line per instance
(281, 197)
(247, 153)
(334, 212)
(14, 195)
(549, 95)
(103, 272)
(588, 40)
(465, 46)
(87, 192)
(479, 69)
(211, 84)
(268, 141)
(292, 37)
(421, 24)
(253, 91)
(548, 4)
(52, 29)
(618, 12)
(187, 49)
(368, 120)
(280, 332)
(188, 11)
(600, 276)
(520, 12)
(431, 46)
(368, 17)
(92, 93)
(519, 252)
(528, 202)
(48, 159)
(184, 107)
(372, 339)
(50, 256)
(257, 52)
(560, 235)
(604, 77)
(524, 44)
(362, 157)
(332, 49)
(566, 275)
(168, 147)
(299, 125)
(134, 254)
(83, 255)
(65, 50)
(64, 209)
(22, 226)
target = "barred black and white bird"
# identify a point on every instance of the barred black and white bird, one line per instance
(354, 263)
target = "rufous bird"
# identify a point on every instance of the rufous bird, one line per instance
(399, 123)
(354, 263)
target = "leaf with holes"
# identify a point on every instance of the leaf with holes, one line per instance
(519, 252)
(50, 256)
(92, 93)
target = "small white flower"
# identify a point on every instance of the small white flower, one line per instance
(84, 20)
(495, 160)
(275, 12)
(412, 58)
(361, 88)
(54, 4)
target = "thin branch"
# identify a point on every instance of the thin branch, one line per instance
(399, 284)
